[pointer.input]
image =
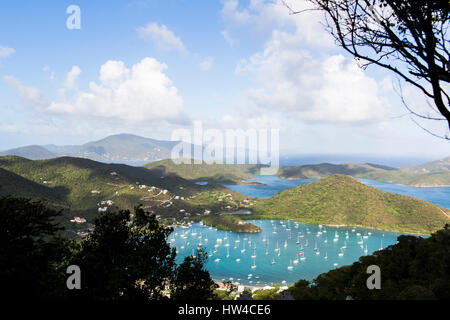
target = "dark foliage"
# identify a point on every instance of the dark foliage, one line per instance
(414, 268)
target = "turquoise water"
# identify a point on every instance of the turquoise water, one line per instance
(273, 184)
(285, 237)
(281, 266)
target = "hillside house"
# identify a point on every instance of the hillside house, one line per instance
(79, 220)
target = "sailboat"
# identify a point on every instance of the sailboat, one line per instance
(277, 248)
(315, 246)
(290, 267)
(298, 239)
(326, 256)
(365, 249)
(254, 265)
(228, 252)
(273, 261)
(285, 243)
(254, 253)
(243, 248)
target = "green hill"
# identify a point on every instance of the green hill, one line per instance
(80, 186)
(430, 167)
(368, 171)
(342, 200)
(13, 184)
(218, 173)
(30, 152)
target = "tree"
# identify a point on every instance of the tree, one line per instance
(192, 281)
(408, 38)
(126, 257)
(30, 251)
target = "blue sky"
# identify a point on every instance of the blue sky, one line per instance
(151, 67)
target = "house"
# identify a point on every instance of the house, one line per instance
(79, 220)
(113, 173)
(95, 192)
(103, 209)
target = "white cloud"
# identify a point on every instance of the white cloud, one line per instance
(265, 16)
(30, 96)
(72, 77)
(206, 64)
(333, 90)
(163, 37)
(142, 93)
(5, 52)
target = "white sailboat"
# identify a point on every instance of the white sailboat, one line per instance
(254, 265)
(254, 253)
(290, 267)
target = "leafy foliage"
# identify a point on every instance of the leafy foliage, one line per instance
(192, 281)
(126, 257)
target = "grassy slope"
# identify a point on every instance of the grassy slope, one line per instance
(70, 181)
(219, 173)
(342, 200)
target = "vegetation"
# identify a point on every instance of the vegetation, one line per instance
(414, 268)
(229, 223)
(213, 173)
(125, 257)
(406, 176)
(192, 281)
(342, 200)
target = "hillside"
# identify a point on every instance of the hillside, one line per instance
(120, 147)
(13, 184)
(82, 187)
(430, 167)
(218, 173)
(30, 152)
(368, 171)
(342, 200)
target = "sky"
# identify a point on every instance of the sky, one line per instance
(151, 67)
